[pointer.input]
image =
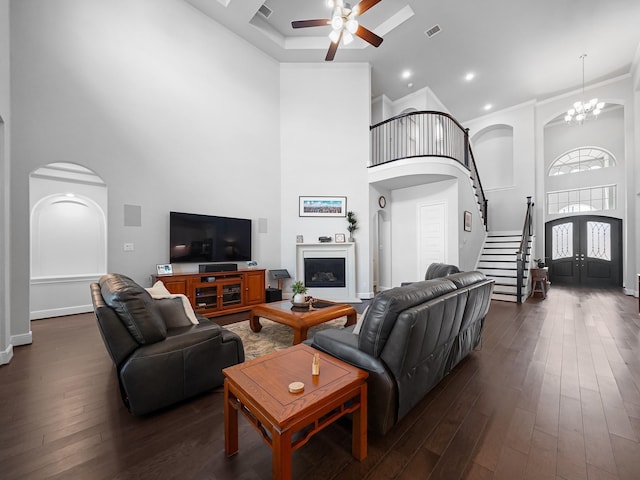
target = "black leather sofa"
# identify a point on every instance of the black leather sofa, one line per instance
(411, 337)
(160, 357)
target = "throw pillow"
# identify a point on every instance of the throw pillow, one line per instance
(172, 312)
(356, 329)
(158, 291)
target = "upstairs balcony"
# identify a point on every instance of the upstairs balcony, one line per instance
(428, 136)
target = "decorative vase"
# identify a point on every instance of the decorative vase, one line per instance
(351, 239)
(298, 298)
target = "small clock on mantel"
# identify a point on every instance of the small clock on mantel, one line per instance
(382, 201)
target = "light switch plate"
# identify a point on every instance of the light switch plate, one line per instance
(128, 247)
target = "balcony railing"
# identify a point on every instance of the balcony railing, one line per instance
(426, 134)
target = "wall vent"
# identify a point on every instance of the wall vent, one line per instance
(432, 31)
(265, 11)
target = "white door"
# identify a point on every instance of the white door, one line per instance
(432, 235)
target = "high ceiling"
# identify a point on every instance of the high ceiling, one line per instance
(519, 50)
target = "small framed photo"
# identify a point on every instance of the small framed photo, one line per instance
(467, 221)
(323, 207)
(299, 239)
(164, 269)
(340, 238)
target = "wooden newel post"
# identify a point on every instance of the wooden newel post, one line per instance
(466, 147)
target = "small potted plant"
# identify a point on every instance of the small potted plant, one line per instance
(539, 262)
(298, 290)
(353, 224)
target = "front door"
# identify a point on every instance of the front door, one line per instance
(584, 250)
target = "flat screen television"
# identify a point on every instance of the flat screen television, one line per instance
(205, 238)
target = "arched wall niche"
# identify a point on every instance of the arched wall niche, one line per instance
(493, 153)
(68, 237)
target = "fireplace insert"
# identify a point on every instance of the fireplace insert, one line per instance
(324, 272)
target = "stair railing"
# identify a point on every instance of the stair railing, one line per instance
(426, 134)
(523, 250)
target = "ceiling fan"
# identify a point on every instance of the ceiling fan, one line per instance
(344, 24)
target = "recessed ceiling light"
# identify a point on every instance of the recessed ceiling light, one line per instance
(406, 74)
(469, 76)
(488, 106)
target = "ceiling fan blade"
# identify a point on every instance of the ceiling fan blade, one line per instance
(332, 49)
(310, 23)
(368, 36)
(365, 5)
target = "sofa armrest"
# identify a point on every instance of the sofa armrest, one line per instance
(180, 338)
(344, 345)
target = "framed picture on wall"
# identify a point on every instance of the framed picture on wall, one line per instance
(467, 221)
(323, 206)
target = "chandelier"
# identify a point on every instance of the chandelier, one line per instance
(343, 21)
(581, 109)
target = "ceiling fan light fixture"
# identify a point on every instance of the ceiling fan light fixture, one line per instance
(337, 22)
(347, 38)
(343, 24)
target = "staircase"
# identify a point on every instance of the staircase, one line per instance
(498, 261)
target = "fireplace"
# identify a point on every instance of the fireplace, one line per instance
(334, 267)
(324, 272)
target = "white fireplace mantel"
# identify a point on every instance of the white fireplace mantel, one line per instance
(330, 250)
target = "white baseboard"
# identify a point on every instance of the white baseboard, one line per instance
(60, 312)
(631, 292)
(23, 339)
(6, 355)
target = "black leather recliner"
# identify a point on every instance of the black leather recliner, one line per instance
(439, 270)
(436, 270)
(160, 357)
(410, 338)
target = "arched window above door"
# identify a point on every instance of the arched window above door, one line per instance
(582, 159)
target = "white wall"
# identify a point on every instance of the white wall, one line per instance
(507, 206)
(608, 133)
(173, 111)
(383, 108)
(325, 114)
(404, 236)
(68, 243)
(493, 153)
(6, 348)
(634, 161)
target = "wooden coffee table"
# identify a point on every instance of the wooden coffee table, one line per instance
(259, 389)
(300, 320)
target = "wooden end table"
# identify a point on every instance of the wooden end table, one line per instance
(300, 320)
(259, 389)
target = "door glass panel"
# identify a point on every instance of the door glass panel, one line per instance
(562, 241)
(599, 240)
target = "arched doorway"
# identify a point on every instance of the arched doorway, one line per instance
(585, 250)
(68, 225)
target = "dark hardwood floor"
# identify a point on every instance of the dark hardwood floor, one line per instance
(554, 393)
